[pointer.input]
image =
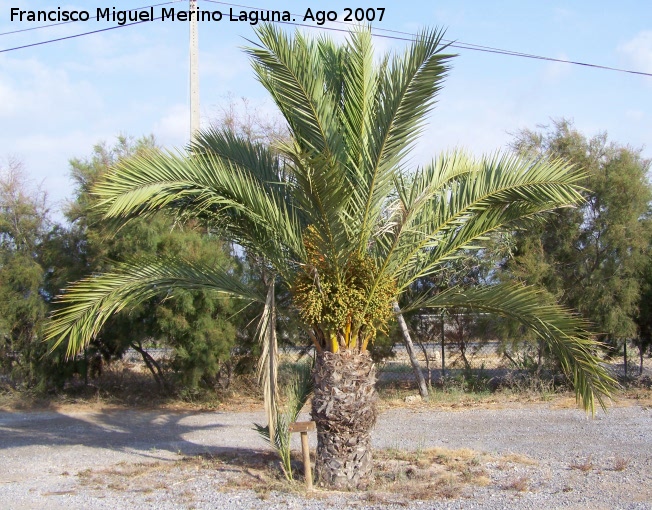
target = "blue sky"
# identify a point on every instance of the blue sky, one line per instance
(57, 100)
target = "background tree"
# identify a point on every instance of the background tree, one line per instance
(643, 340)
(24, 221)
(591, 258)
(195, 326)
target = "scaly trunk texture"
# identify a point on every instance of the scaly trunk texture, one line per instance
(344, 407)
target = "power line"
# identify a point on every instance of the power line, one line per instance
(77, 21)
(453, 44)
(76, 35)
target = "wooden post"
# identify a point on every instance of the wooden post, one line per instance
(304, 427)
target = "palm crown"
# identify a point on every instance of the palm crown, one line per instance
(332, 211)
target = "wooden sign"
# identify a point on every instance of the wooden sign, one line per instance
(304, 427)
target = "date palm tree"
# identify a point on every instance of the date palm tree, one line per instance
(339, 223)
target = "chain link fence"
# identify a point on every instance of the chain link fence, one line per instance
(474, 349)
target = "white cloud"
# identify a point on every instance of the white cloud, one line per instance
(562, 13)
(173, 128)
(33, 88)
(554, 72)
(231, 63)
(456, 16)
(48, 115)
(635, 114)
(46, 157)
(143, 60)
(8, 100)
(478, 125)
(638, 51)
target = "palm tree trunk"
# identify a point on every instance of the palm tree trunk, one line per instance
(344, 408)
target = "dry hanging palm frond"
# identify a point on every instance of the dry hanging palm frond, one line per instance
(268, 363)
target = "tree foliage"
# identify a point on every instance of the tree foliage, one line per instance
(194, 324)
(643, 318)
(591, 258)
(23, 224)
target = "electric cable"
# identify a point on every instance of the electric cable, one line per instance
(453, 44)
(77, 21)
(76, 35)
(450, 43)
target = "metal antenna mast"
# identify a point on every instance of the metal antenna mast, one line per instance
(194, 71)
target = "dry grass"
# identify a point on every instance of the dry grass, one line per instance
(507, 461)
(394, 396)
(637, 395)
(124, 385)
(517, 458)
(126, 476)
(427, 474)
(456, 400)
(621, 463)
(519, 484)
(585, 466)
(400, 476)
(241, 398)
(59, 493)
(128, 385)
(237, 470)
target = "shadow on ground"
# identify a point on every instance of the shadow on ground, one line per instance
(138, 432)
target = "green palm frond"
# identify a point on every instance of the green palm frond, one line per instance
(415, 196)
(565, 333)
(406, 91)
(257, 158)
(358, 90)
(90, 302)
(219, 191)
(292, 71)
(356, 84)
(296, 393)
(485, 196)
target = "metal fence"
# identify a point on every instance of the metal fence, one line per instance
(467, 347)
(472, 359)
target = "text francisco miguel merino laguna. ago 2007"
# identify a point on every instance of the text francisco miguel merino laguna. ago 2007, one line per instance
(253, 17)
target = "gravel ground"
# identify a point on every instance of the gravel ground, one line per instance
(46, 455)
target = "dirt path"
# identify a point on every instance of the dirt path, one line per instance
(42, 454)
